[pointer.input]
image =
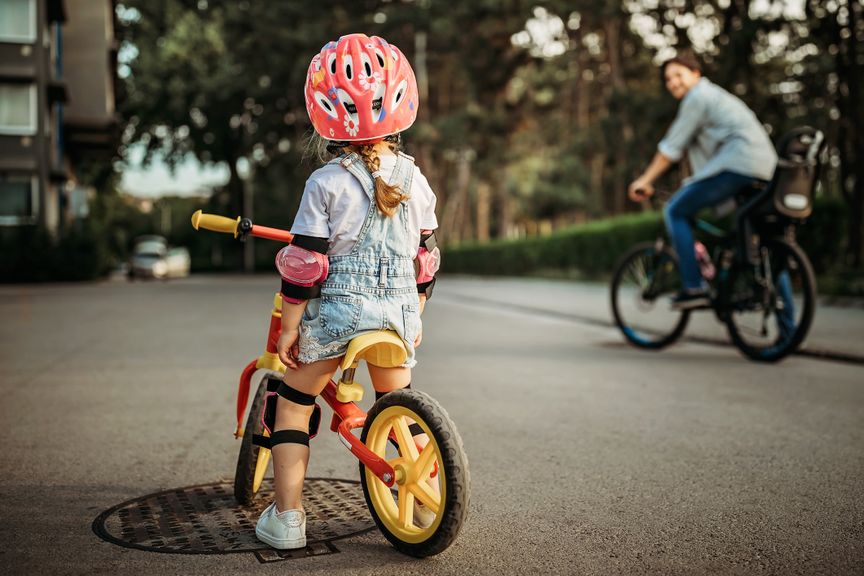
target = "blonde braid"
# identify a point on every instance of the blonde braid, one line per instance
(387, 197)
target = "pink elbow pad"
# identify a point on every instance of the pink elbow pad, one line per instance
(428, 262)
(302, 267)
(302, 272)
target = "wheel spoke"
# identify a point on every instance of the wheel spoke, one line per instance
(425, 494)
(426, 462)
(406, 507)
(406, 441)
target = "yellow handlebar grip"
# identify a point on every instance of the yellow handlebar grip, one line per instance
(215, 223)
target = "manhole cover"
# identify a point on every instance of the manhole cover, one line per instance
(206, 519)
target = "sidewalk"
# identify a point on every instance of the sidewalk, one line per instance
(837, 332)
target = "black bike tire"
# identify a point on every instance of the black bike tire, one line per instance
(453, 460)
(620, 268)
(247, 459)
(809, 308)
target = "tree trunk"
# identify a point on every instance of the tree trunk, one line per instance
(506, 209)
(484, 209)
(454, 207)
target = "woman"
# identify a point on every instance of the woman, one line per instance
(728, 149)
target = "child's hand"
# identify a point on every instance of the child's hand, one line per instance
(288, 348)
(419, 337)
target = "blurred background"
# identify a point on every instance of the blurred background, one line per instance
(119, 119)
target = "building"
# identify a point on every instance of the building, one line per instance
(58, 62)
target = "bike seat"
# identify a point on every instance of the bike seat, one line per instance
(741, 197)
(382, 348)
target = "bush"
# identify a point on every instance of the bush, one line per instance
(29, 254)
(592, 250)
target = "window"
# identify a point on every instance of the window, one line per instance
(18, 21)
(17, 198)
(17, 108)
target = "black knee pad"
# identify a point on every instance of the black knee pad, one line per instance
(295, 395)
(268, 415)
(379, 395)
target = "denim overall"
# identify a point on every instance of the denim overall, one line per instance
(372, 288)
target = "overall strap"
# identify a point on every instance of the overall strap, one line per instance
(355, 165)
(403, 172)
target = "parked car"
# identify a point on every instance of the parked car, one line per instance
(153, 258)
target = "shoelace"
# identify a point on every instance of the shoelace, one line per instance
(290, 518)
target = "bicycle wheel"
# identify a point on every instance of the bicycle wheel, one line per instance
(769, 307)
(435, 478)
(253, 460)
(644, 282)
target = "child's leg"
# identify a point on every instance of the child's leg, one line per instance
(389, 379)
(290, 459)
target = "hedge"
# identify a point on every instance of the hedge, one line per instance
(29, 254)
(592, 249)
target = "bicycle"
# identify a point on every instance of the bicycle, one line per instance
(762, 285)
(395, 469)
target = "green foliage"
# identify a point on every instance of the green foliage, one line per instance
(588, 249)
(28, 254)
(506, 129)
(591, 250)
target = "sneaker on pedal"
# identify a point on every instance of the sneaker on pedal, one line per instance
(688, 300)
(284, 530)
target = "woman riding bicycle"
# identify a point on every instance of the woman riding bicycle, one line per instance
(365, 221)
(728, 149)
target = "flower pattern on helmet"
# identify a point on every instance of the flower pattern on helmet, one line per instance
(369, 82)
(351, 125)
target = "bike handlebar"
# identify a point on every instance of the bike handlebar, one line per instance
(240, 228)
(215, 223)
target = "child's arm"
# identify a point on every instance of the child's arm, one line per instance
(288, 345)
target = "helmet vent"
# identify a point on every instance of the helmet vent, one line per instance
(325, 104)
(399, 95)
(367, 64)
(380, 56)
(348, 63)
(331, 63)
(378, 102)
(347, 103)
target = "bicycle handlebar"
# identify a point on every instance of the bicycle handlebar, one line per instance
(215, 223)
(240, 228)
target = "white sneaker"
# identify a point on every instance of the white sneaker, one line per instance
(285, 530)
(423, 516)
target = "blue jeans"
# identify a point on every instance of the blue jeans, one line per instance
(685, 204)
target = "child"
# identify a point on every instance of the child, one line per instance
(365, 221)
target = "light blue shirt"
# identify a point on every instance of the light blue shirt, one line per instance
(718, 132)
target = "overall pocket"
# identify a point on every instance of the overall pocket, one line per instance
(411, 321)
(310, 313)
(339, 315)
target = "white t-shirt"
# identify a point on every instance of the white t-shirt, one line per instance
(334, 206)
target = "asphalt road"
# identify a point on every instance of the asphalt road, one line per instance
(586, 456)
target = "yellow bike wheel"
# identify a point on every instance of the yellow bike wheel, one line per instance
(423, 512)
(252, 461)
(260, 469)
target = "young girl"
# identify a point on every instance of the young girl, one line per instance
(363, 228)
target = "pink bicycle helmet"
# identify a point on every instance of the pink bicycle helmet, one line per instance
(360, 89)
